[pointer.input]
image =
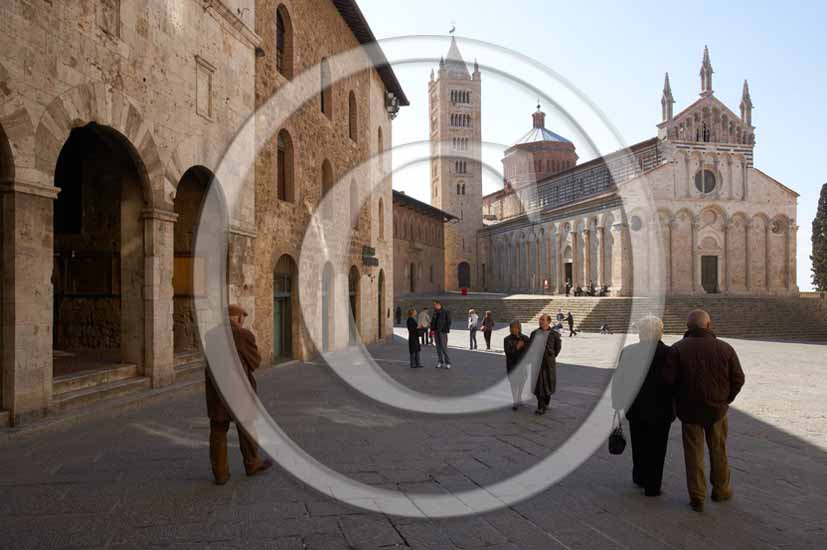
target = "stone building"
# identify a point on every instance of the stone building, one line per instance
(456, 171)
(114, 117)
(714, 223)
(311, 155)
(418, 246)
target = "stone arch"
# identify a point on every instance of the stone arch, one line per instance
(102, 105)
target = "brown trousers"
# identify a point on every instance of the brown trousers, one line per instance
(693, 451)
(218, 450)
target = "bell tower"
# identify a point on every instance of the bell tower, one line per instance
(456, 170)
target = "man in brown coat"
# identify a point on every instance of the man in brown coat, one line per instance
(220, 415)
(708, 377)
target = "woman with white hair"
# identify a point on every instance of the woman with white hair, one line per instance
(640, 387)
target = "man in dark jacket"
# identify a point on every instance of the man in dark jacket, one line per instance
(441, 325)
(546, 344)
(708, 377)
(220, 416)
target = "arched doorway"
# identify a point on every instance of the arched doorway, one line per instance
(412, 277)
(284, 277)
(98, 273)
(353, 295)
(568, 268)
(189, 202)
(380, 305)
(327, 307)
(464, 275)
(6, 178)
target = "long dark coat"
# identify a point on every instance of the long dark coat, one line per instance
(413, 335)
(512, 354)
(550, 345)
(245, 344)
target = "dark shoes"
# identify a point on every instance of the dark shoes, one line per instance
(697, 505)
(540, 412)
(652, 492)
(722, 497)
(265, 464)
(515, 407)
(221, 479)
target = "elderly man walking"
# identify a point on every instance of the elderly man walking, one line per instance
(708, 377)
(221, 416)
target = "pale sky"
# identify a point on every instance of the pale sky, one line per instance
(616, 54)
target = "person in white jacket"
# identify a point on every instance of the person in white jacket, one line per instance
(424, 322)
(473, 326)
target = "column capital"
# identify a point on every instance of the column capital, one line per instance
(159, 214)
(37, 190)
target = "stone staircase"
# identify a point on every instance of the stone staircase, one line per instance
(739, 317)
(93, 386)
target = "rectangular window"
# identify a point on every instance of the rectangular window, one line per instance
(203, 87)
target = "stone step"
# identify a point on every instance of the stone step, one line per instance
(192, 370)
(96, 394)
(91, 378)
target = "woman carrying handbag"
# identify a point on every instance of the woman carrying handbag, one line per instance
(639, 387)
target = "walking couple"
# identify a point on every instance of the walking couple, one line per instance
(440, 327)
(695, 379)
(545, 344)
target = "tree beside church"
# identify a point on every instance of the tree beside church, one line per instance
(819, 239)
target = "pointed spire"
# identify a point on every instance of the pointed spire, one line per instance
(706, 74)
(455, 63)
(667, 101)
(746, 105)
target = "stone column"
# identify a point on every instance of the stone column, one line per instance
(694, 253)
(587, 255)
(159, 364)
(575, 263)
(668, 255)
(561, 268)
(601, 256)
(792, 234)
(725, 260)
(747, 259)
(767, 256)
(621, 260)
(26, 228)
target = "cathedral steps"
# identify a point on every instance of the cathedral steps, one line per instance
(733, 316)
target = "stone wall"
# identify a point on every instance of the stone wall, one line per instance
(319, 32)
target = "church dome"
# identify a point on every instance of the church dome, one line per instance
(539, 132)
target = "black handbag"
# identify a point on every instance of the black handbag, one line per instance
(617, 441)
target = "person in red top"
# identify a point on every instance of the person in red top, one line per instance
(707, 377)
(218, 412)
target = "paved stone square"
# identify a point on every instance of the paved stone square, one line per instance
(141, 479)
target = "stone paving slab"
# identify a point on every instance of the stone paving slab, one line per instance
(140, 479)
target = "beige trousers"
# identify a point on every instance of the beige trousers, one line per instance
(693, 451)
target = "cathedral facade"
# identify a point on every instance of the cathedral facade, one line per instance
(683, 213)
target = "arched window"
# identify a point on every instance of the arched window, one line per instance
(352, 118)
(284, 42)
(326, 96)
(327, 185)
(381, 219)
(463, 188)
(458, 188)
(354, 205)
(284, 167)
(380, 148)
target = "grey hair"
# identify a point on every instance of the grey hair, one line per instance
(650, 328)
